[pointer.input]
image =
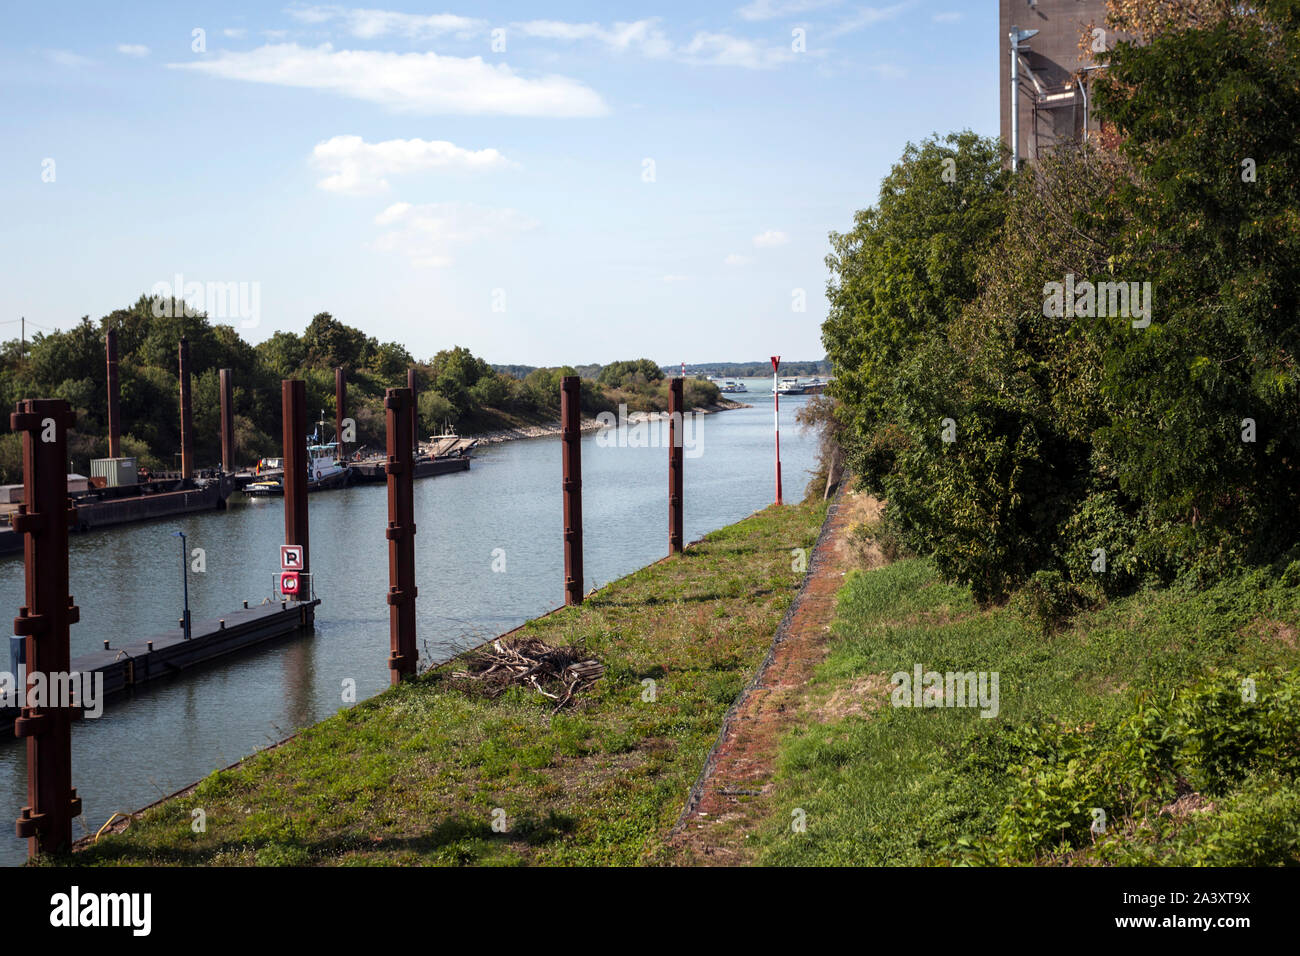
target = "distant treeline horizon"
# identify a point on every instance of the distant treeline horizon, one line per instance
(727, 369)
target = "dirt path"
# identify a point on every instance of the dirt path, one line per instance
(730, 798)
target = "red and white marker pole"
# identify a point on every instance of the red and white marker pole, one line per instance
(776, 423)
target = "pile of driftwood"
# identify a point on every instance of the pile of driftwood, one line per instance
(559, 673)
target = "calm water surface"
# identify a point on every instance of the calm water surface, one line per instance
(127, 583)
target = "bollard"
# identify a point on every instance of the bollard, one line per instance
(570, 436)
(44, 621)
(675, 440)
(400, 469)
(340, 408)
(114, 405)
(227, 422)
(413, 386)
(293, 406)
(187, 413)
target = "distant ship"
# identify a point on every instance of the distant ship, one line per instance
(794, 386)
(728, 384)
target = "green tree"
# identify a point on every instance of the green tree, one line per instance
(902, 274)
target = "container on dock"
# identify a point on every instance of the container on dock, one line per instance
(114, 471)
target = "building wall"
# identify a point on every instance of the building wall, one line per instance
(1054, 58)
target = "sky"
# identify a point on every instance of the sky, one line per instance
(544, 183)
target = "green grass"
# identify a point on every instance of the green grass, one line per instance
(899, 785)
(414, 775)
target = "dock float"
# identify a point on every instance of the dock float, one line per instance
(168, 654)
(372, 470)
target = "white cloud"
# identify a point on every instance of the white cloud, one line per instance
(770, 238)
(675, 278)
(368, 24)
(643, 35)
(736, 259)
(406, 82)
(771, 9)
(69, 59)
(888, 71)
(133, 49)
(393, 213)
(235, 33)
(866, 17)
(358, 168)
(950, 16)
(427, 234)
(723, 49)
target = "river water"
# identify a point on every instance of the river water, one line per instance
(127, 582)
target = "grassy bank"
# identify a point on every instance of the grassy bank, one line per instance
(1138, 709)
(417, 774)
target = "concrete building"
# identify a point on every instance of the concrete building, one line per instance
(1051, 72)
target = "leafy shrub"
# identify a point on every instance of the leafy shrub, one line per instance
(1212, 739)
(1047, 600)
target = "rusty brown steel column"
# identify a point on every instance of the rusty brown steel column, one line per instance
(46, 822)
(293, 404)
(340, 407)
(114, 405)
(400, 469)
(414, 387)
(675, 439)
(187, 413)
(570, 436)
(227, 422)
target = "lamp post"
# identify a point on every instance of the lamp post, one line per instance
(185, 583)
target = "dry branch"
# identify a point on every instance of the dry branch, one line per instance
(559, 673)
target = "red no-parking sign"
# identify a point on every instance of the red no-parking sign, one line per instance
(290, 557)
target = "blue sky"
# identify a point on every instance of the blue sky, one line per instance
(543, 183)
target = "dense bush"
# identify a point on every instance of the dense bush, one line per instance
(1010, 437)
(1229, 742)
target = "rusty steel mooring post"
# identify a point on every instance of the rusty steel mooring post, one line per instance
(43, 519)
(293, 404)
(400, 469)
(187, 412)
(570, 436)
(340, 408)
(227, 422)
(114, 404)
(675, 439)
(413, 386)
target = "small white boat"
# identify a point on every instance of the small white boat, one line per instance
(728, 384)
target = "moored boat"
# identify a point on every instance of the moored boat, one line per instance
(728, 384)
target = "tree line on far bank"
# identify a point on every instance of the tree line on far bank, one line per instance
(458, 390)
(1088, 451)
